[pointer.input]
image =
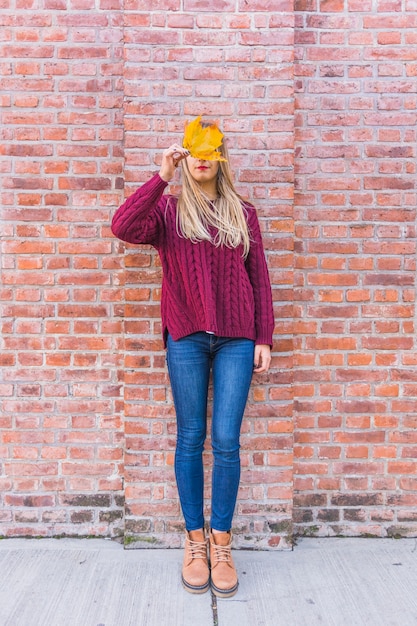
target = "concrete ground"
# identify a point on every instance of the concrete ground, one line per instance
(95, 582)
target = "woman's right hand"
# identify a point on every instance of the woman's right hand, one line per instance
(170, 159)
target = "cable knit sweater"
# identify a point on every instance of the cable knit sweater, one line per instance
(204, 287)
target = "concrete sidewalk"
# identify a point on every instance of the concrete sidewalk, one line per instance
(95, 582)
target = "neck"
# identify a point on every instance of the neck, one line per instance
(209, 190)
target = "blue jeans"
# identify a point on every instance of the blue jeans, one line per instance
(189, 363)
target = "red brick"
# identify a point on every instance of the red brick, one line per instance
(386, 323)
(349, 342)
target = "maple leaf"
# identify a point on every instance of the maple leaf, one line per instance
(202, 142)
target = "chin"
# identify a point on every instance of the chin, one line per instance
(202, 177)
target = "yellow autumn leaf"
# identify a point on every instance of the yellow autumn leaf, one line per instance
(202, 142)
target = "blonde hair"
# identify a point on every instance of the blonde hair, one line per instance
(195, 212)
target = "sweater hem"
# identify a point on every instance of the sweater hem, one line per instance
(232, 333)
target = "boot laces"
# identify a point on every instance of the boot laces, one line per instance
(222, 553)
(198, 549)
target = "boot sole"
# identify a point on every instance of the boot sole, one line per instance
(224, 593)
(195, 588)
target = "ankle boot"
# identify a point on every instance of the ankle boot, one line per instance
(195, 570)
(224, 582)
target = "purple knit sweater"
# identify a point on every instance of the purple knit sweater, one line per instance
(204, 287)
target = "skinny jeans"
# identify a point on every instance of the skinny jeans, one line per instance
(190, 361)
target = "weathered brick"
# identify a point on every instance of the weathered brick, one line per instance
(346, 351)
(384, 144)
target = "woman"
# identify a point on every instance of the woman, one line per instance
(217, 316)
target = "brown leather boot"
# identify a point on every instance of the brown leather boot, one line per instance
(195, 570)
(224, 582)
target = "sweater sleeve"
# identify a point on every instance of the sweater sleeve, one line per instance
(259, 277)
(137, 220)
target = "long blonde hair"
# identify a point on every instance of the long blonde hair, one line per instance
(195, 213)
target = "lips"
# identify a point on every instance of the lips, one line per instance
(202, 167)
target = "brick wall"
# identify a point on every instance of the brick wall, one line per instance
(84, 380)
(233, 63)
(61, 152)
(91, 95)
(355, 237)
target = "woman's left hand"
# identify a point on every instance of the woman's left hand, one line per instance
(262, 358)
